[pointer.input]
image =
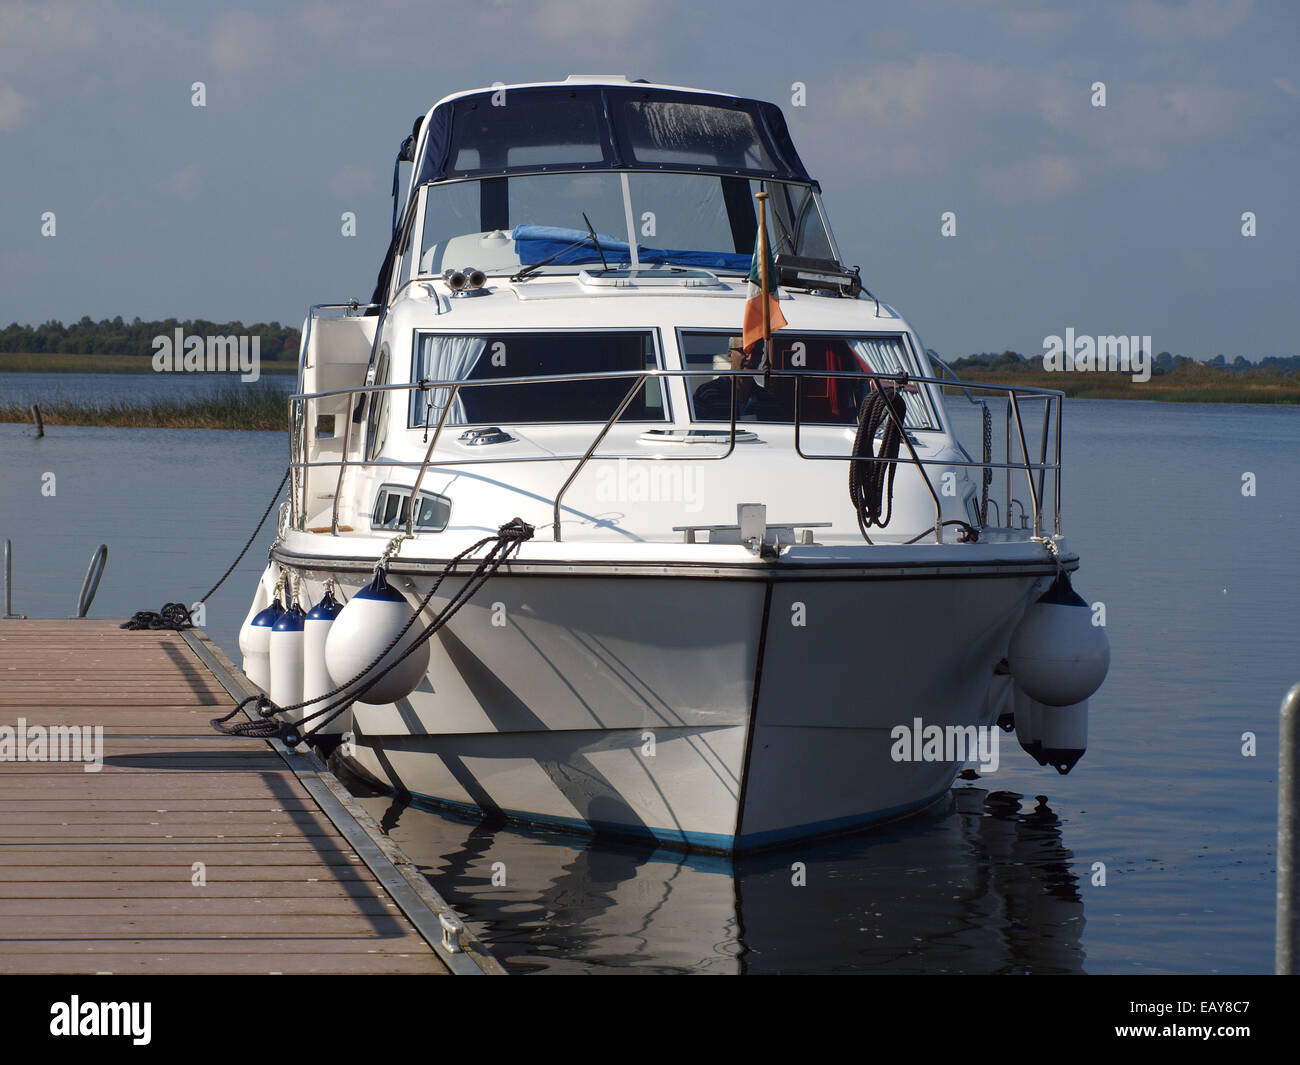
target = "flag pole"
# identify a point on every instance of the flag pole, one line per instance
(761, 197)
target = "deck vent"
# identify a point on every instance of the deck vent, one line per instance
(488, 435)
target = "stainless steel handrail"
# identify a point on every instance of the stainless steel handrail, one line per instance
(1024, 451)
(616, 375)
(343, 465)
(902, 430)
(618, 413)
(299, 404)
(428, 454)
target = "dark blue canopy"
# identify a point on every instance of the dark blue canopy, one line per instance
(531, 130)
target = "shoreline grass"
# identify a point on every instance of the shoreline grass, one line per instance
(243, 408)
(1169, 388)
(240, 407)
(37, 362)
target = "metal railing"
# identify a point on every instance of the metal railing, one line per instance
(9, 584)
(1035, 472)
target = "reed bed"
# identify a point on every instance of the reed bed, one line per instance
(46, 362)
(1169, 388)
(236, 407)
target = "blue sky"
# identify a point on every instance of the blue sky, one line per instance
(1117, 220)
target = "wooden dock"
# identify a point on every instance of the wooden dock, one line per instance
(188, 851)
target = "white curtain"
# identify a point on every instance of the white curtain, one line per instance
(443, 358)
(887, 355)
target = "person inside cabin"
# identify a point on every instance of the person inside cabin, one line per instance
(753, 401)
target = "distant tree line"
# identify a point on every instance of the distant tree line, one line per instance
(119, 337)
(1165, 363)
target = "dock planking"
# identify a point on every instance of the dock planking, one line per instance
(97, 869)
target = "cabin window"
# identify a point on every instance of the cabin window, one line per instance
(393, 509)
(478, 360)
(822, 400)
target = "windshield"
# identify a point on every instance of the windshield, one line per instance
(824, 400)
(499, 225)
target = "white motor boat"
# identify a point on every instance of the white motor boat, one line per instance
(748, 570)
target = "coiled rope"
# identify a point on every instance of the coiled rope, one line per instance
(872, 490)
(176, 616)
(504, 544)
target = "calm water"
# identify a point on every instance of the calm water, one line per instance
(1200, 586)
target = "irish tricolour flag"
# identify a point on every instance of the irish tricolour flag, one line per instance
(753, 328)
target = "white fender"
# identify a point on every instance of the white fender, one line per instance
(364, 627)
(1064, 732)
(1057, 655)
(316, 679)
(257, 645)
(286, 660)
(1028, 727)
(1001, 703)
(261, 600)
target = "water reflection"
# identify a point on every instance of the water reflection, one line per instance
(982, 884)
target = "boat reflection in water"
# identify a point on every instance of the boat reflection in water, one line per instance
(982, 884)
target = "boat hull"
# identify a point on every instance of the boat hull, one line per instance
(717, 714)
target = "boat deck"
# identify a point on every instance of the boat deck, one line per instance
(100, 871)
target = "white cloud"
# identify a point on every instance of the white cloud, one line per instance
(1018, 131)
(1034, 22)
(13, 108)
(1204, 20)
(241, 41)
(51, 41)
(183, 184)
(587, 36)
(567, 21)
(349, 181)
(1043, 177)
(1287, 86)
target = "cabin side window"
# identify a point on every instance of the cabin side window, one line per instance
(822, 399)
(478, 361)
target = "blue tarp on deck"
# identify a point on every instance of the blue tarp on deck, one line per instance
(533, 244)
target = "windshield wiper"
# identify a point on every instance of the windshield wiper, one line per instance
(532, 268)
(603, 265)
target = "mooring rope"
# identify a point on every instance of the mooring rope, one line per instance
(504, 544)
(867, 489)
(176, 616)
(986, 479)
(872, 492)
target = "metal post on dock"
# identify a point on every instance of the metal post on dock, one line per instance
(91, 584)
(9, 583)
(1288, 875)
